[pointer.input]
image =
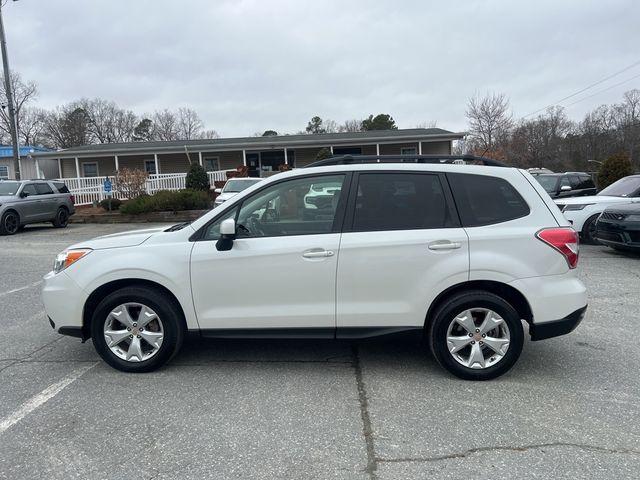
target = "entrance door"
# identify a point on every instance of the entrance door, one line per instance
(253, 164)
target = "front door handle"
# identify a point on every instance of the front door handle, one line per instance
(317, 253)
(444, 245)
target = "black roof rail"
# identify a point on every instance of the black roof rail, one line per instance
(434, 159)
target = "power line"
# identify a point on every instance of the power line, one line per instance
(604, 90)
(586, 88)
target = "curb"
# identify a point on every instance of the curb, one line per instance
(153, 217)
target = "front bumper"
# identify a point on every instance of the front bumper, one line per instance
(63, 302)
(618, 233)
(542, 331)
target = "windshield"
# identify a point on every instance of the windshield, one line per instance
(624, 187)
(9, 188)
(235, 186)
(548, 182)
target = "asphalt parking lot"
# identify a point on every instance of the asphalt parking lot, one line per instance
(570, 408)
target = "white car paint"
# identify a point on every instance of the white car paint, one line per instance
(226, 192)
(593, 206)
(382, 279)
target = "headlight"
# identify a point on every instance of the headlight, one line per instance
(633, 218)
(577, 206)
(69, 257)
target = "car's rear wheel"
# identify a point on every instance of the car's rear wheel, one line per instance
(61, 219)
(137, 329)
(9, 223)
(476, 335)
(589, 230)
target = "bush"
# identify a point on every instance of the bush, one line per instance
(130, 182)
(115, 204)
(197, 178)
(613, 169)
(323, 154)
(165, 201)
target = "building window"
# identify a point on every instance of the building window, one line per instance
(90, 169)
(212, 164)
(150, 167)
(408, 151)
(4, 172)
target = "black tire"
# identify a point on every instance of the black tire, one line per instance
(172, 323)
(457, 304)
(9, 223)
(588, 230)
(61, 219)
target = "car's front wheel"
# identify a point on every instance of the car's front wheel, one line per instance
(137, 329)
(9, 223)
(476, 335)
(589, 231)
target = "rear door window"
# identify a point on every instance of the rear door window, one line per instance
(400, 201)
(43, 189)
(486, 200)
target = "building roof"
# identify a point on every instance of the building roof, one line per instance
(253, 143)
(6, 151)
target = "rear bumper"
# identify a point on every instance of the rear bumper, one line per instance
(541, 331)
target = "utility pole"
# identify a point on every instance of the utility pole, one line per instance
(13, 124)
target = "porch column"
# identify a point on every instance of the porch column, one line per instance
(200, 158)
(59, 168)
(77, 168)
(286, 159)
(331, 148)
(419, 148)
(155, 158)
(117, 165)
(37, 169)
(244, 157)
(377, 149)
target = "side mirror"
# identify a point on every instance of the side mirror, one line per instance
(24, 194)
(218, 191)
(565, 188)
(227, 235)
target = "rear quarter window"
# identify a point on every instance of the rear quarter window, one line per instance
(61, 187)
(485, 200)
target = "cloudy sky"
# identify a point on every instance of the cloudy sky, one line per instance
(250, 65)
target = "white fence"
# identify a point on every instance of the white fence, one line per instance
(87, 190)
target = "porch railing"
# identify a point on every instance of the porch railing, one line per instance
(87, 190)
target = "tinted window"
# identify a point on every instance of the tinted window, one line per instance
(625, 187)
(575, 182)
(43, 189)
(586, 182)
(548, 182)
(62, 188)
(564, 182)
(400, 201)
(485, 200)
(30, 189)
(302, 206)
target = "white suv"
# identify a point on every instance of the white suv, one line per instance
(461, 254)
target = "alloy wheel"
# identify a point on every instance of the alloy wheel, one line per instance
(10, 223)
(133, 332)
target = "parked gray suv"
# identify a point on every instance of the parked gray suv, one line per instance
(34, 201)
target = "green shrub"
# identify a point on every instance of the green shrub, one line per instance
(165, 201)
(197, 178)
(613, 169)
(115, 204)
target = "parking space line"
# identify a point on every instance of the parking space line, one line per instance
(34, 284)
(43, 397)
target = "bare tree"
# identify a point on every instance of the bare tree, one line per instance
(208, 135)
(428, 124)
(189, 124)
(489, 120)
(23, 94)
(67, 126)
(165, 125)
(331, 126)
(32, 126)
(109, 123)
(351, 126)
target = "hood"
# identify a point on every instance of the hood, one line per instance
(119, 240)
(223, 197)
(596, 199)
(628, 209)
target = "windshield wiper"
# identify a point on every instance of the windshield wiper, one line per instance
(177, 227)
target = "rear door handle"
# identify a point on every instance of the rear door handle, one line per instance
(317, 253)
(444, 245)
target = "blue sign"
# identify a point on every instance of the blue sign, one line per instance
(107, 185)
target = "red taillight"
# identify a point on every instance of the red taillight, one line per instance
(73, 199)
(564, 240)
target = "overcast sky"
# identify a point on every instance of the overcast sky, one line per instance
(250, 65)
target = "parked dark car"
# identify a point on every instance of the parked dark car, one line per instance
(34, 201)
(570, 184)
(619, 227)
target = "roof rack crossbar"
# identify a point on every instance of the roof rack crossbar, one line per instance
(433, 159)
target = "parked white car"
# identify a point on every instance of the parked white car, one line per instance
(233, 187)
(582, 212)
(394, 253)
